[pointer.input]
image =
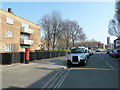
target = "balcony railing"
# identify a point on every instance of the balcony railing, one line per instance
(27, 30)
(26, 42)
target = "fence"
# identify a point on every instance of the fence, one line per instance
(9, 58)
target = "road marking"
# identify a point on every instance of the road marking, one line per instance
(107, 63)
(102, 58)
(50, 80)
(62, 79)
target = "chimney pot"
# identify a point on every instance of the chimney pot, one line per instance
(9, 10)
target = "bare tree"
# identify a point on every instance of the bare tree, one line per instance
(76, 32)
(61, 43)
(81, 36)
(56, 27)
(66, 33)
(113, 28)
(46, 25)
(52, 26)
(114, 24)
(72, 33)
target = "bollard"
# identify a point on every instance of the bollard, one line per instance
(27, 55)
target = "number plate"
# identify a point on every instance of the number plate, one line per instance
(75, 62)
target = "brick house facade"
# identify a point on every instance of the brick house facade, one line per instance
(16, 33)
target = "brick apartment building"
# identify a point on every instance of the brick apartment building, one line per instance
(16, 33)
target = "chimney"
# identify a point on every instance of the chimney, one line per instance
(10, 10)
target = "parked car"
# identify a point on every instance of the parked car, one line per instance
(90, 52)
(111, 52)
(108, 50)
(77, 56)
(86, 50)
(97, 50)
(116, 53)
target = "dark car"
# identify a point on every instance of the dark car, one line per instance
(111, 51)
(116, 53)
(108, 51)
(97, 50)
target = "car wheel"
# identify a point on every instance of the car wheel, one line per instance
(87, 57)
(84, 63)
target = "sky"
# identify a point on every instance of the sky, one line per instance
(93, 17)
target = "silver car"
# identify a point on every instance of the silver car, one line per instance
(77, 56)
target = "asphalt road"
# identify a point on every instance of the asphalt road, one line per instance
(101, 71)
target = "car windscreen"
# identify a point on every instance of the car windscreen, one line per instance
(77, 50)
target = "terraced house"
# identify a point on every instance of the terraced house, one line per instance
(16, 33)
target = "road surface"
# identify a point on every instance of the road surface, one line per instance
(101, 71)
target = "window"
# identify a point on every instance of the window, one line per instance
(9, 47)
(10, 20)
(9, 34)
(25, 25)
(25, 36)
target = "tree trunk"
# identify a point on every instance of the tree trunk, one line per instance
(67, 44)
(73, 42)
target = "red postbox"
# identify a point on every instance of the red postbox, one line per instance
(27, 55)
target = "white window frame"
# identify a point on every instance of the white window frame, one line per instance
(8, 47)
(10, 20)
(9, 34)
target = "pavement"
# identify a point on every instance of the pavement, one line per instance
(36, 74)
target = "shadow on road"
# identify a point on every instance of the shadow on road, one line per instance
(38, 84)
(57, 61)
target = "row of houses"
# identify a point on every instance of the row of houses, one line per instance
(16, 33)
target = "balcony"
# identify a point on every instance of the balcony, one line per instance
(27, 30)
(26, 42)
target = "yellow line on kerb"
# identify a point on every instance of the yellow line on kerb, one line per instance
(90, 69)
